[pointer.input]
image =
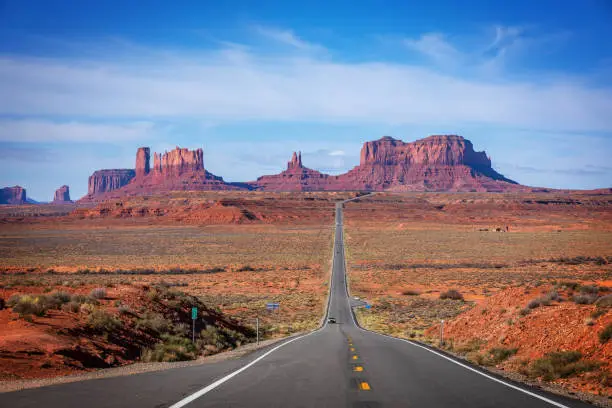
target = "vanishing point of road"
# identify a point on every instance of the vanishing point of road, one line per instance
(339, 365)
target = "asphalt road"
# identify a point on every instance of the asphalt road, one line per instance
(340, 365)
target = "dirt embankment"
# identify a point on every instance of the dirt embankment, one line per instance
(70, 330)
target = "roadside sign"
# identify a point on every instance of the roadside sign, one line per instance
(194, 313)
(272, 306)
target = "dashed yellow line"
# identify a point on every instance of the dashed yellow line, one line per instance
(355, 357)
(352, 348)
(358, 369)
(364, 386)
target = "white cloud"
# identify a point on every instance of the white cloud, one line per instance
(287, 37)
(27, 130)
(230, 85)
(436, 47)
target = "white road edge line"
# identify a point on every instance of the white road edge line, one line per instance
(228, 377)
(231, 375)
(490, 377)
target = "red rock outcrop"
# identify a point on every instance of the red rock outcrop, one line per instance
(13, 195)
(103, 181)
(143, 156)
(436, 163)
(295, 178)
(62, 195)
(178, 161)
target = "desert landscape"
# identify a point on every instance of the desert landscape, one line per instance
(523, 282)
(446, 251)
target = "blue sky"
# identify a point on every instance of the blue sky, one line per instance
(84, 83)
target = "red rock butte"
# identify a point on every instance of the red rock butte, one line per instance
(435, 163)
(13, 195)
(62, 195)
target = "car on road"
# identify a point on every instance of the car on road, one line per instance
(331, 320)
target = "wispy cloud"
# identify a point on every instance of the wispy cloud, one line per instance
(32, 130)
(221, 86)
(287, 37)
(436, 47)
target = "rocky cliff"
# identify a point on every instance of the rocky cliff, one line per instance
(295, 178)
(103, 181)
(178, 161)
(436, 163)
(13, 195)
(62, 195)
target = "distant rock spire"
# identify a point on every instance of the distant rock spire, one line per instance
(296, 161)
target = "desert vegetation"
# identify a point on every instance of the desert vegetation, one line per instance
(510, 300)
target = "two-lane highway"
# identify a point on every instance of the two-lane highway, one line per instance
(339, 365)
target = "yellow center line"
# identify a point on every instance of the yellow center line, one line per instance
(358, 368)
(355, 357)
(364, 386)
(352, 348)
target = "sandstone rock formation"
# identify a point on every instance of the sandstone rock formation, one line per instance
(62, 195)
(295, 178)
(436, 163)
(103, 181)
(143, 156)
(13, 195)
(178, 161)
(178, 169)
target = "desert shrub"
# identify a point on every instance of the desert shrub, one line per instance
(604, 301)
(570, 285)
(72, 307)
(560, 364)
(411, 292)
(98, 293)
(451, 294)
(102, 321)
(593, 289)
(470, 346)
(246, 268)
(27, 305)
(87, 308)
(2, 303)
(172, 348)
(81, 299)
(61, 297)
(605, 334)
(544, 300)
(584, 299)
(220, 338)
(154, 322)
(525, 311)
(124, 309)
(499, 354)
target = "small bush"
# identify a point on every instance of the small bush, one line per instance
(499, 354)
(560, 364)
(411, 292)
(604, 301)
(451, 294)
(72, 307)
(98, 293)
(569, 285)
(154, 322)
(61, 297)
(2, 303)
(104, 322)
(124, 309)
(524, 312)
(605, 334)
(172, 348)
(28, 305)
(584, 299)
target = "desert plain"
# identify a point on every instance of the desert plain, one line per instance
(523, 281)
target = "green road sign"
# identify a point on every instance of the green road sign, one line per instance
(194, 313)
